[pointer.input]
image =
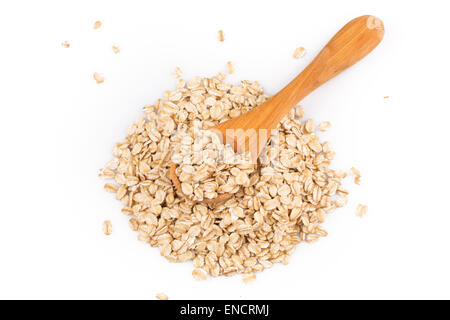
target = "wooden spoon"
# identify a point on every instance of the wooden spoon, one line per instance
(352, 43)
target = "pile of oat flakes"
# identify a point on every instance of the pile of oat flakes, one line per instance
(276, 205)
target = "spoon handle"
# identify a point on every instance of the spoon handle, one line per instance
(352, 43)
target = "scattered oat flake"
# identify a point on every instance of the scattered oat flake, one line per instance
(323, 126)
(97, 24)
(180, 84)
(230, 67)
(111, 187)
(98, 78)
(162, 296)
(221, 36)
(249, 278)
(177, 72)
(361, 210)
(66, 44)
(357, 175)
(116, 49)
(107, 227)
(309, 125)
(134, 225)
(199, 274)
(299, 112)
(340, 174)
(299, 52)
(355, 171)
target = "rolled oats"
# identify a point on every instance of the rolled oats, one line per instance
(323, 126)
(230, 67)
(356, 174)
(97, 24)
(361, 210)
(199, 274)
(107, 227)
(220, 36)
(249, 278)
(162, 296)
(177, 73)
(110, 188)
(299, 52)
(98, 78)
(276, 204)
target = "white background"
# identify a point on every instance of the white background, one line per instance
(57, 128)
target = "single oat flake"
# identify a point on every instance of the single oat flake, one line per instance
(98, 78)
(109, 187)
(177, 72)
(355, 171)
(97, 25)
(107, 227)
(299, 53)
(162, 296)
(230, 67)
(356, 174)
(134, 225)
(323, 126)
(249, 278)
(309, 126)
(299, 112)
(116, 49)
(220, 36)
(199, 274)
(361, 210)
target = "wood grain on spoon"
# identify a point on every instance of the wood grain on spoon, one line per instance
(352, 43)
